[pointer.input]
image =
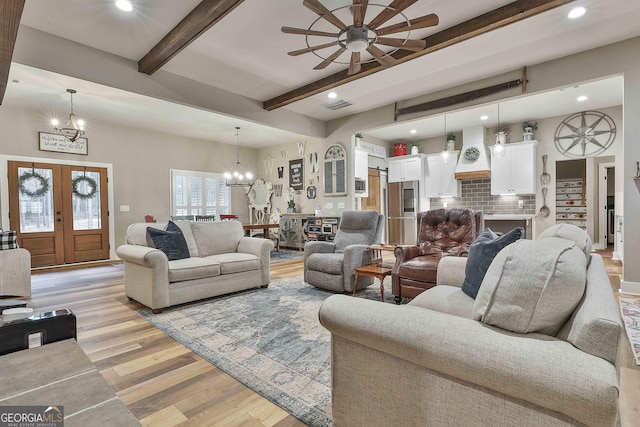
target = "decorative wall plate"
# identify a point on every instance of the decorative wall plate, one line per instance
(311, 192)
(585, 134)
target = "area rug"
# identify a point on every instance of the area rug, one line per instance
(630, 308)
(282, 255)
(268, 339)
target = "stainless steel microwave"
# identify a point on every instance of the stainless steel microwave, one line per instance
(361, 186)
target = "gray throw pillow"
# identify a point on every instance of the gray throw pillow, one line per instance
(170, 241)
(481, 253)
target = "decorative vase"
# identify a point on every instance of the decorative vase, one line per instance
(501, 137)
(528, 134)
(358, 141)
(451, 145)
(291, 210)
(414, 149)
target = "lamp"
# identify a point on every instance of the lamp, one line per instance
(445, 151)
(238, 176)
(498, 149)
(74, 128)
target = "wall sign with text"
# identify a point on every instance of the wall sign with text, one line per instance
(296, 174)
(60, 144)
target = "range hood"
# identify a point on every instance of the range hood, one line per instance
(479, 168)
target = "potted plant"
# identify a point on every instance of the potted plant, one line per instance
(291, 206)
(502, 133)
(528, 128)
(358, 137)
(451, 141)
(415, 146)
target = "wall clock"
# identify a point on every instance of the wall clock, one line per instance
(585, 134)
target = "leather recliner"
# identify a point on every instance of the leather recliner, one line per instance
(441, 232)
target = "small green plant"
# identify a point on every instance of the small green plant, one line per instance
(451, 137)
(502, 128)
(415, 144)
(359, 135)
(532, 125)
(291, 204)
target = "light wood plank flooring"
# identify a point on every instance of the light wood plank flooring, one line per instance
(165, 384)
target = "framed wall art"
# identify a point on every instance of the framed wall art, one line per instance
(60, 144)
(296, 174)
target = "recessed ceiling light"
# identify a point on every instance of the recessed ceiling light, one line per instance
(582, 98)
(576, 12)
(332, 95)
(413, 131)
(124, 5)
(485, 117)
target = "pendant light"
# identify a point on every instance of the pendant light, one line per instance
(237, 176)
(498, 149)
(446, 152)
(74, 128)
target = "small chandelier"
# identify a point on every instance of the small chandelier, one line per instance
(74, 128)
(237, 176)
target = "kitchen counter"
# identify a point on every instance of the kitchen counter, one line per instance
(502, 223)
(509, 217)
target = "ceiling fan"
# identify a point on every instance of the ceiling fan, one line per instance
(359, 37)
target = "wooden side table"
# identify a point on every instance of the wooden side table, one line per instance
(372, 271)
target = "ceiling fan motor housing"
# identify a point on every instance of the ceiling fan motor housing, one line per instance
(357, 39)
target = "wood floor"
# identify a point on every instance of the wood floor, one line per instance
(165, 384)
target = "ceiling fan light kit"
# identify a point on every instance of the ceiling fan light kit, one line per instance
(360, 38)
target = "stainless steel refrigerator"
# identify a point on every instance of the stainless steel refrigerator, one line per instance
(403, 205)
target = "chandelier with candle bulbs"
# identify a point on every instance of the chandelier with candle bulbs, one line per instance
(74, 128)
(237, 176)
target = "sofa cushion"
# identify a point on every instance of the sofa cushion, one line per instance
(445, 299)
(187, 232)
(213, 238)
(569, 232)
(331, 263)
(137, 233)
(192, 268)
(423, 268)
(170, 241)
(481, 252)
(532, 286)
(236, 262)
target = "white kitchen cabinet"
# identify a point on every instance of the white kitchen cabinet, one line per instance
(515, 171)
(406, 168)
(361, 171)
(439, 177)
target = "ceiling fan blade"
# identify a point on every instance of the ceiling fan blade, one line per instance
(325, 13)
(414, 24)
(311, 49)
(394, 8)
(329, 60)
(291, 30)
(354, 64)
(359, 11)
(415, 45)
(379, 55)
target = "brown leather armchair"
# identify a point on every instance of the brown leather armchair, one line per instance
(441, 232)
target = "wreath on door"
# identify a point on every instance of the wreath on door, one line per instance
(32, 184)
(84, 187)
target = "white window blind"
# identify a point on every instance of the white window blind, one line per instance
(199, 193)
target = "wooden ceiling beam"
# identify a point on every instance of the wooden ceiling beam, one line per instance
(10, 13)
(199, 20)
(497, 18)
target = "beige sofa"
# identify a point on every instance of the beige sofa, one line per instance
(222, 260)
(433, 363)
(15, 279)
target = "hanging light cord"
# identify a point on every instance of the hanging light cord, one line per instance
(237, 145)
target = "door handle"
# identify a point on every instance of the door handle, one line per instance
(59, 212)
(59, 219)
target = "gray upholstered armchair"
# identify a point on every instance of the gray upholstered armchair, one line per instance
(330, 265)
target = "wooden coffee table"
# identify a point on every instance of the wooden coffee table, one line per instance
(372, 271)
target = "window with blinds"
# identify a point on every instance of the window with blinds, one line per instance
(199, 193)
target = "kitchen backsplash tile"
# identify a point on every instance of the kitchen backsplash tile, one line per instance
(476, 195)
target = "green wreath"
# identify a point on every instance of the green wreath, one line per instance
(30, 188)
(471, 154)
(90, 182)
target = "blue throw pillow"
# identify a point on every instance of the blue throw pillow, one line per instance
(170, 241)
(481, 253)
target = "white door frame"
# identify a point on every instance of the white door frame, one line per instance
(601, 242)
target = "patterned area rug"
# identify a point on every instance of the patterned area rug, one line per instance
(268, 339)
(630, 308)
(285, 255)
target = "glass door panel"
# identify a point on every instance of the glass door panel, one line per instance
(35, 187)
(87, 213)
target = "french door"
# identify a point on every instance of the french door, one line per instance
(59, 211)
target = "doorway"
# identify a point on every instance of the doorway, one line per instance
(59, 211)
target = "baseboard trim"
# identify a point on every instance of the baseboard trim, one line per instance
(629, 287)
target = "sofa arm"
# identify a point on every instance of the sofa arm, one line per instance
(535, 368)
(451, 271)
(354, 256)
(141, 255)
(15, 279)
(262, 249)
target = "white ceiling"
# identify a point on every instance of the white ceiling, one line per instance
(245, 53)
